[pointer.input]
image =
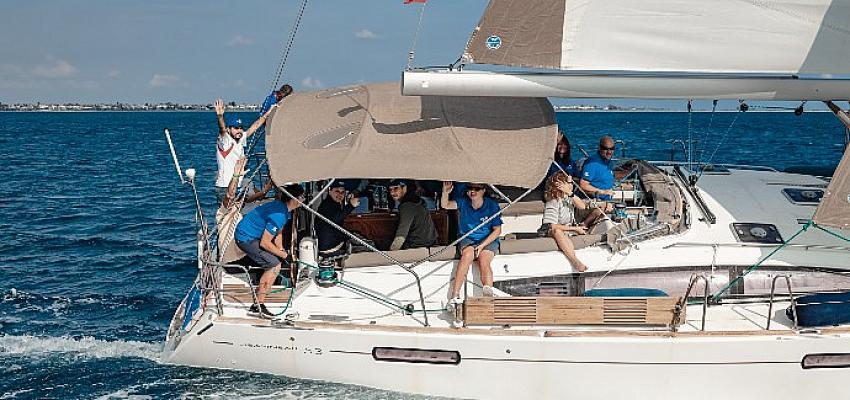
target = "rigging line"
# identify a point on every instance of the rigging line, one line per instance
(285, 56)
(411, 54)
(758, 264)
(720, 143)
(690, 136)
(702, 144)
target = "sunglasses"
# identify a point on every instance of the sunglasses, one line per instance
(474, 188)
(607, 148)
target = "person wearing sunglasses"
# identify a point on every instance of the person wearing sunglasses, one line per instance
(481, 244)
(335, 208)
(597, 175)
(559, 216)
(260, 235)
(231, 146)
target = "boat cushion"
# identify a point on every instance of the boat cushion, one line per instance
(822, 309)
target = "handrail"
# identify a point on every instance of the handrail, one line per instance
(683, 302)
(790, 294)
(703, 207)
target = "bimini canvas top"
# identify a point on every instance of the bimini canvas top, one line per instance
(372, 131)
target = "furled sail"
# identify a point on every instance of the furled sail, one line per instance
(834, 208)
(653, 49)
(372, 131)
(795, 37)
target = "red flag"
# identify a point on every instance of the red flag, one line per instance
(414, 1)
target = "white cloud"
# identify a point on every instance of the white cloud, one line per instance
(311, 83)
(163, 80)
(59, 69)
(113, 74)
(366, 34)
(240, 40)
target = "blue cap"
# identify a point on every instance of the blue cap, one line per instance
(233, 120)
(397, 182)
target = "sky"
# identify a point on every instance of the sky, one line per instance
(193, 51)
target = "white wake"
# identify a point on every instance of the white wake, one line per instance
(84, 347)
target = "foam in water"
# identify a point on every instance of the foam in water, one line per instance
(87, 347)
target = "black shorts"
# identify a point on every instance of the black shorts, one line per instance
(258, 255)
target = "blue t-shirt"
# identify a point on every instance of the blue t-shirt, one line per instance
(268, 103)
(270, 217)
(470, 217)
(599, 173)
(568, 168)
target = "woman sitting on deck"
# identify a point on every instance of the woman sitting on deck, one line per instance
(482, 243)
(559, 215)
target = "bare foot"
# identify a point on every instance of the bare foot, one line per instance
(581, 267)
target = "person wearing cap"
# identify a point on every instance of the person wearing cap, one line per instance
(415, 226)
(334, 207)
(260, 235)
(481, 243)
(231, 146)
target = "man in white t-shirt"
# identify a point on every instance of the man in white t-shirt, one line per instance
(230, 146)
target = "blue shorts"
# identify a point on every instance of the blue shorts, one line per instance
(257, 254)
(494, 246)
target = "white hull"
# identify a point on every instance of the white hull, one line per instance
(651, 366)
(576, 85)
(335, 330)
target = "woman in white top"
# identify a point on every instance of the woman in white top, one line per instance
(559, 214)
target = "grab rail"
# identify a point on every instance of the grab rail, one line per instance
(683, 302)
(790, 294)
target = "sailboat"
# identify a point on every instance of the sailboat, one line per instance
(694, 293)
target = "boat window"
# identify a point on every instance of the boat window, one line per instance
(835, 360)
(416, 355)
(342, 136)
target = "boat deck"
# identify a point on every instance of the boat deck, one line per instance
(339, 306)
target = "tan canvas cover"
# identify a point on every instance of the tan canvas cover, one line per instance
(372, 131)
(834, 208)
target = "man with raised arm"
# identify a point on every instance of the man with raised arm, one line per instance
(231, 146)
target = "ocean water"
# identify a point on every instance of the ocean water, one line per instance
(96, 239)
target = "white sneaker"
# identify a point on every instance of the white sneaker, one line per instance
(487, 291)
(455, 309)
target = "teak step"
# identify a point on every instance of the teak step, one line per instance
(239, 293)
(562, 310)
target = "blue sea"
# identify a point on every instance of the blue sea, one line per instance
(97, 245)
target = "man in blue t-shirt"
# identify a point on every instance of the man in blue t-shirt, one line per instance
(481, 243)
(597, 175)
(260, 235)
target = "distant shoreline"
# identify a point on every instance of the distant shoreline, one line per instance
(249, 111)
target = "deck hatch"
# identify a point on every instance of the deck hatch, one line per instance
(826, 360)
(803, 196)
(757, 233)
(418, 356)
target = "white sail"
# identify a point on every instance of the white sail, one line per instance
(718, 49)
(718, 36)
